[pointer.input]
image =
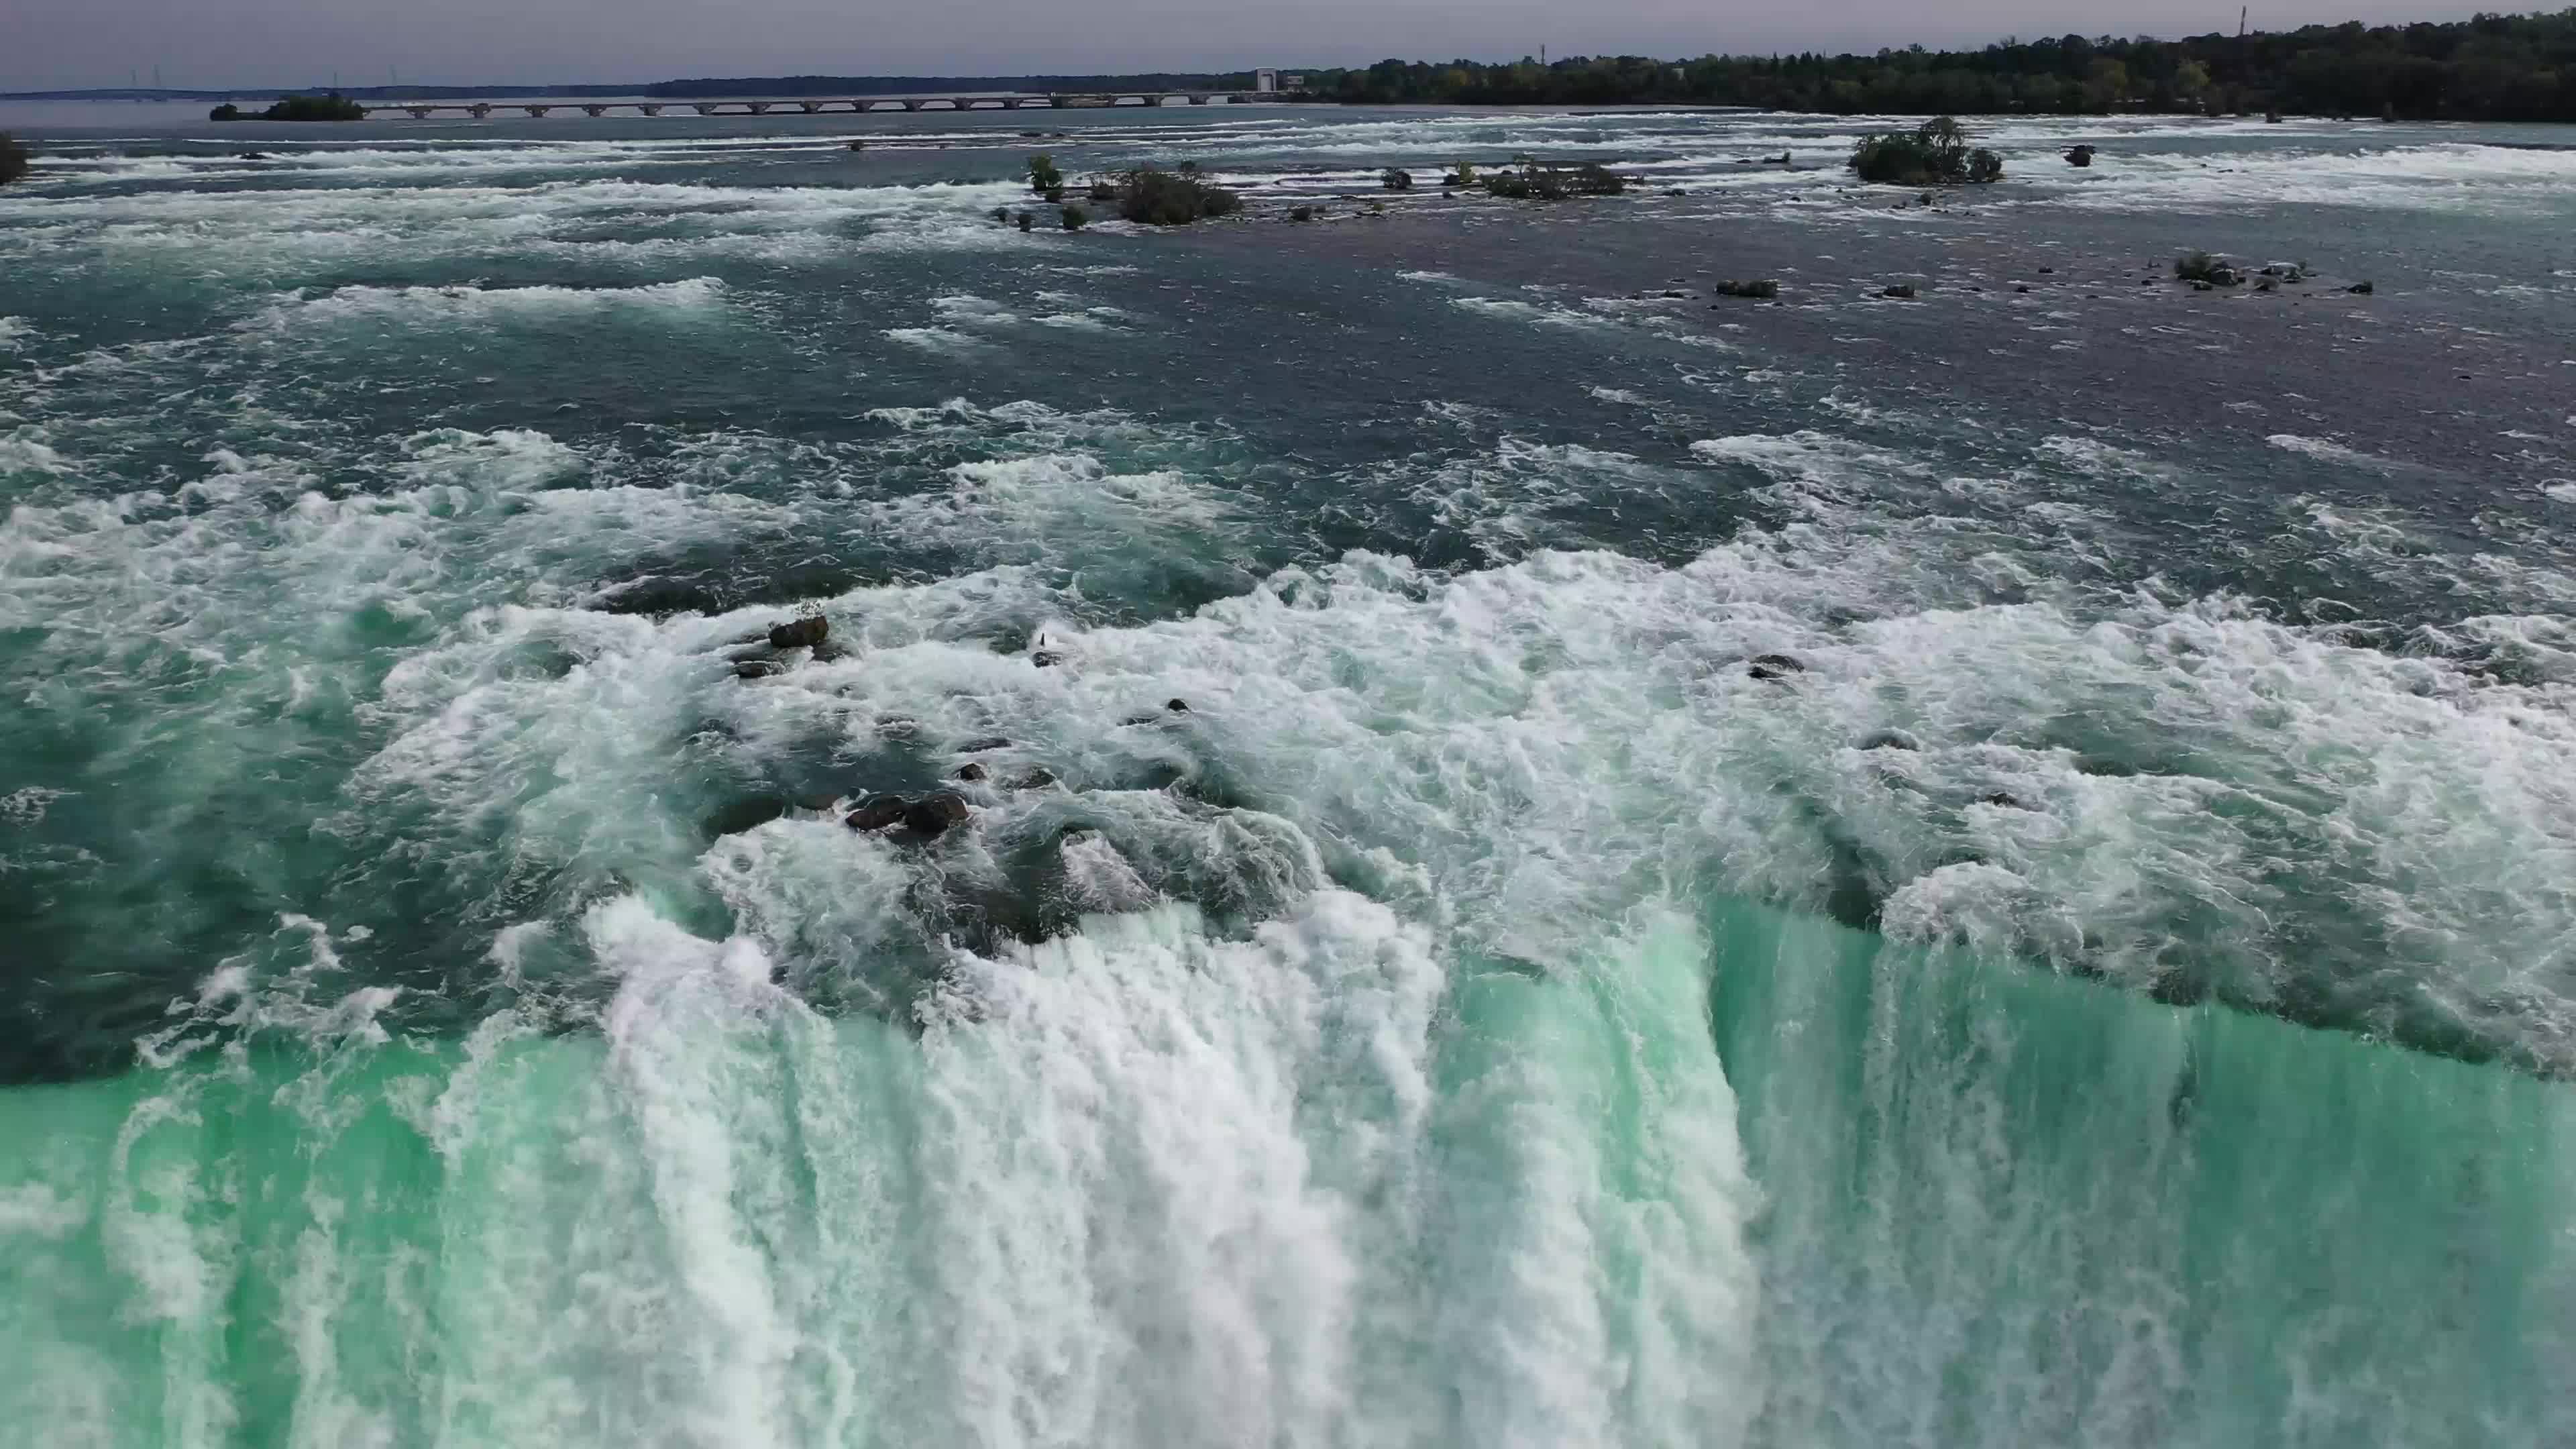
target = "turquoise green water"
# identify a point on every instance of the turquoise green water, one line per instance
(2110, 990)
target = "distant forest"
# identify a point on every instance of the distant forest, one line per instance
(2491, 68)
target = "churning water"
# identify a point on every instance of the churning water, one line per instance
(2112, 982)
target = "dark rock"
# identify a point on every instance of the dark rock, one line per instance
(979, 746)
(2360, 289)
(2022, 287)
(970, 771)
(1140, 719)
(758, 669)
(817, 802)
(1890, 740)
(1902, 292)
(1045, 658)
(804, 633)
(877, 812)
(1778, 661)
(2006, 801)
(1177, 706)
(2044, 271)
(2079, 155)
(930, 816)
(832, 649)
(1034, 779)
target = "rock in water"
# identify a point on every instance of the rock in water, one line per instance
(970, 771)
(804, 633)
(930, 816)
(877, 812)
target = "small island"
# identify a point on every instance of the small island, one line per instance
(333, 107)
(13, 159)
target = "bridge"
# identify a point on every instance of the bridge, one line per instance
(816, 106)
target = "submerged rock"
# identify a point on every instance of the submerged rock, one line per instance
(758, 668)
(1890, 740)
(1902, 292)
(983, 744)
(1773, 666)
(1035, 778)
(1177, 706)
(970, 771)
(804, 633)
(2079, 155)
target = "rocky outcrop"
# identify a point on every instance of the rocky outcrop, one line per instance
(932, 815)
(805, 633)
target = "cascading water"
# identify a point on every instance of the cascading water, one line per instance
(1545, 871)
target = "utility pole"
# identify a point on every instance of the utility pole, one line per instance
(2241, 12)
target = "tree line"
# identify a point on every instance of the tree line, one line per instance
(2488, 68)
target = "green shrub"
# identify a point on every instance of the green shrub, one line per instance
(1464, 174)
(1043, 177)
(1176, 197)
(1394, 179)
(225, 112)
(1534, 182)
(1027, 220)
(1301, 213)
(1104, 189)
(13, 159)
(1075, 218)
(1935, 153)
(1763, 290)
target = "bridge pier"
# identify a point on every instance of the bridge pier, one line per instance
(1198, 100)
(758, 108)
(650, 109)
(418, 113)
(595, 111)
(479, 110)
(702, 108)
(1011, 103)
(912, 106)
(809, 107)
(536, 110)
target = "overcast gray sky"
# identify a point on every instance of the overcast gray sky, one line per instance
(60, 44)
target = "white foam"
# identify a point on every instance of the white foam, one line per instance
(471, 304)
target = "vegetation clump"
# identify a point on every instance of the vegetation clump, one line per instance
(2202, 269)
(13, 159)
(2488, 67)
(1043, 177)
(1176, 197)
(1075, 218)
(1464, 175)
(1396, 179)
(333, 107)
(1935, 153)
(1104, 189)
(1535, 182)
(1763, 289)
(1301, 213)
